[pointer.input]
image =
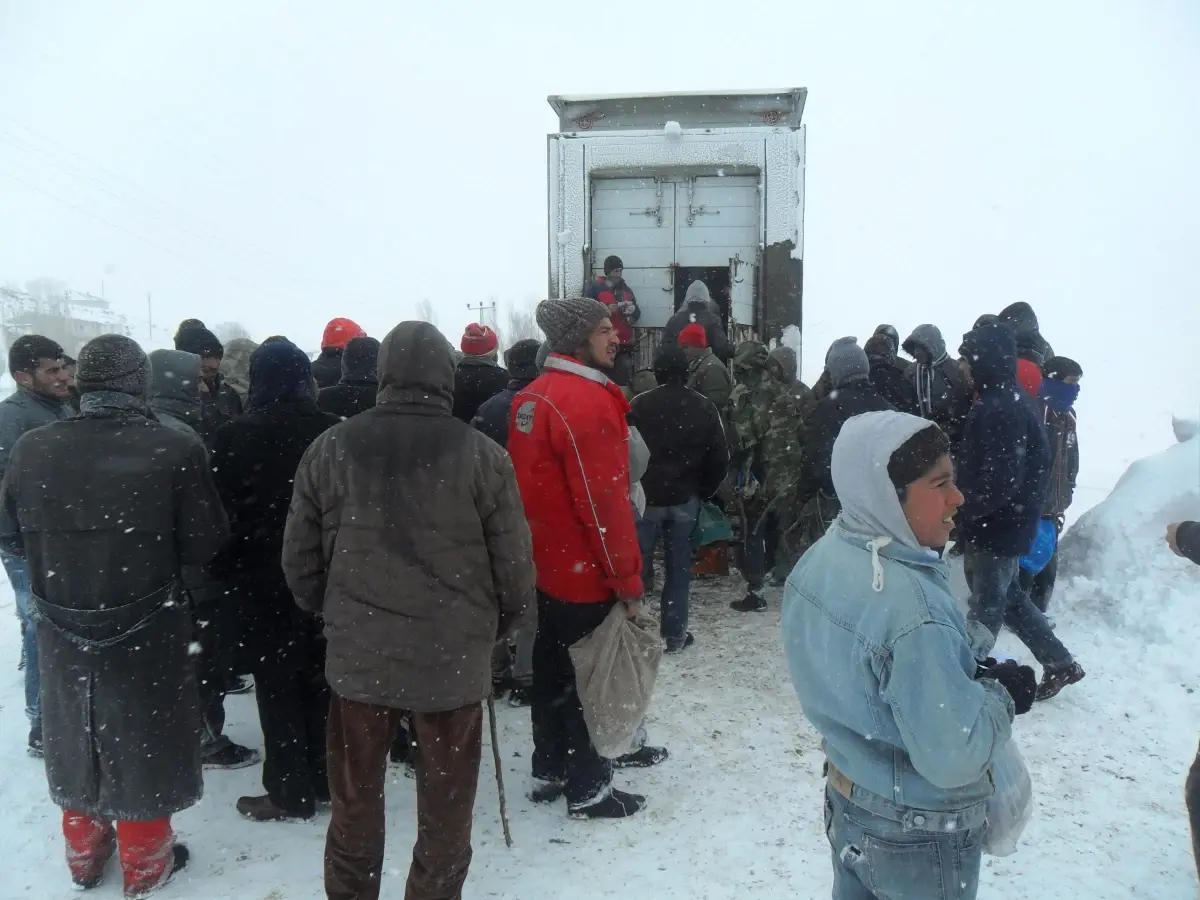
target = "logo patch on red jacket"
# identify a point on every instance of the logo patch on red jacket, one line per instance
(524, 417)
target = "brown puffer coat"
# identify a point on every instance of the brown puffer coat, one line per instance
(406, 532)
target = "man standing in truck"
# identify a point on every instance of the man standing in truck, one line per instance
(611, 290)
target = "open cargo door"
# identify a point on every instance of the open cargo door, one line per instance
(634, 218)
(743, 281)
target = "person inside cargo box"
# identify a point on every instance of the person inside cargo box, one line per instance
(611, 290)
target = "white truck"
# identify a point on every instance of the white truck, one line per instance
(706, 185)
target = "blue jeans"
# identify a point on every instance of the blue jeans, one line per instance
(878, 858)
(18, 577)
(997, 599)
(675, 524)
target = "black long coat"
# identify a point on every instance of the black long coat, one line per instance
(107, 508)
(254, 462)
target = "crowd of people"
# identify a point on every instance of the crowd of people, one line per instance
(390, 535)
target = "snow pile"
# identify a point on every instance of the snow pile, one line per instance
(1115, 561)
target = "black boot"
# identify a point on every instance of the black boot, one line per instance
(752, 602)
(1054, 680)
(642, 758)
(547, 790)
(615, 805)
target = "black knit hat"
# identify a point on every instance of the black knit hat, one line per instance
(200, 341)
(612, 262)
(112, 362)
(521, 358)
(1061, 367)
(670, 364)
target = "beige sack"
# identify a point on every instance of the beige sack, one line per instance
(615, 669)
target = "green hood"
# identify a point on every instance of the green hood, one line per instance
(750, 358)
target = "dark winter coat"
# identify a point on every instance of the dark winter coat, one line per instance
(943, 392)
(1063, 439)
(327, 367)
(1004, 457)
(893, 381)
(821, 429)
(408, 536)
(1188, 541)
(107, 508)
(221, 404)
(356, 391)
(254, 463)
(476, 379)
(688, 454)
(23, 411)
(173, 398)
(494, 415)
(709, 376)
(1024, 322)
(701, 309)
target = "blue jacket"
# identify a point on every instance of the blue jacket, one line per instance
(1004, 459)
(877, 646)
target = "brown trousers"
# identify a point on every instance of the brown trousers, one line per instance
(446, 751)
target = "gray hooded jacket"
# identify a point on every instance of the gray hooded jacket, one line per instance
(943, 392)
(878, 648)
(173, 394)
(699, 307)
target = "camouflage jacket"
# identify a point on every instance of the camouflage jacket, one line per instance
(750, 404)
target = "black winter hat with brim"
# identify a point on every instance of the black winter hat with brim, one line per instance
(113, 362)
(200, 341)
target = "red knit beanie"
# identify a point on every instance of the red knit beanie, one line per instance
(479, 340)
(693, 335)
(340, 332)
(1030, 376)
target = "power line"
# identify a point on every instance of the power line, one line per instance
(213, 238)
(135, 235)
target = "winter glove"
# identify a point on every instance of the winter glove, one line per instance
(1018, 680)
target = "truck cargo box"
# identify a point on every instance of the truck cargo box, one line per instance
(705, 186)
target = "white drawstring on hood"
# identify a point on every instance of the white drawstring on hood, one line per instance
(870, 505)
(875, 545)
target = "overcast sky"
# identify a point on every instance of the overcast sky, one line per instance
(280, 163)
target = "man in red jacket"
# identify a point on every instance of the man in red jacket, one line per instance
(569, 445)
(611, 290)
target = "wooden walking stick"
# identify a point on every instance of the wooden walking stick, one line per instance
(491, 705)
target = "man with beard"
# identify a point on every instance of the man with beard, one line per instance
(569, 443)
(255, 459)
(38, 367)
(219, 403)
(107, 508)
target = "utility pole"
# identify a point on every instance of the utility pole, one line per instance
(149, 318)
(482, 308)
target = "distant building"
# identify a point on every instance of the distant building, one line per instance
(72, 318)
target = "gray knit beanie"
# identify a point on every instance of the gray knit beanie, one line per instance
(567, 323)
(847, 363)
(112, 362)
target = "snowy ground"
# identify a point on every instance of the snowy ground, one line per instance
(735, 812)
